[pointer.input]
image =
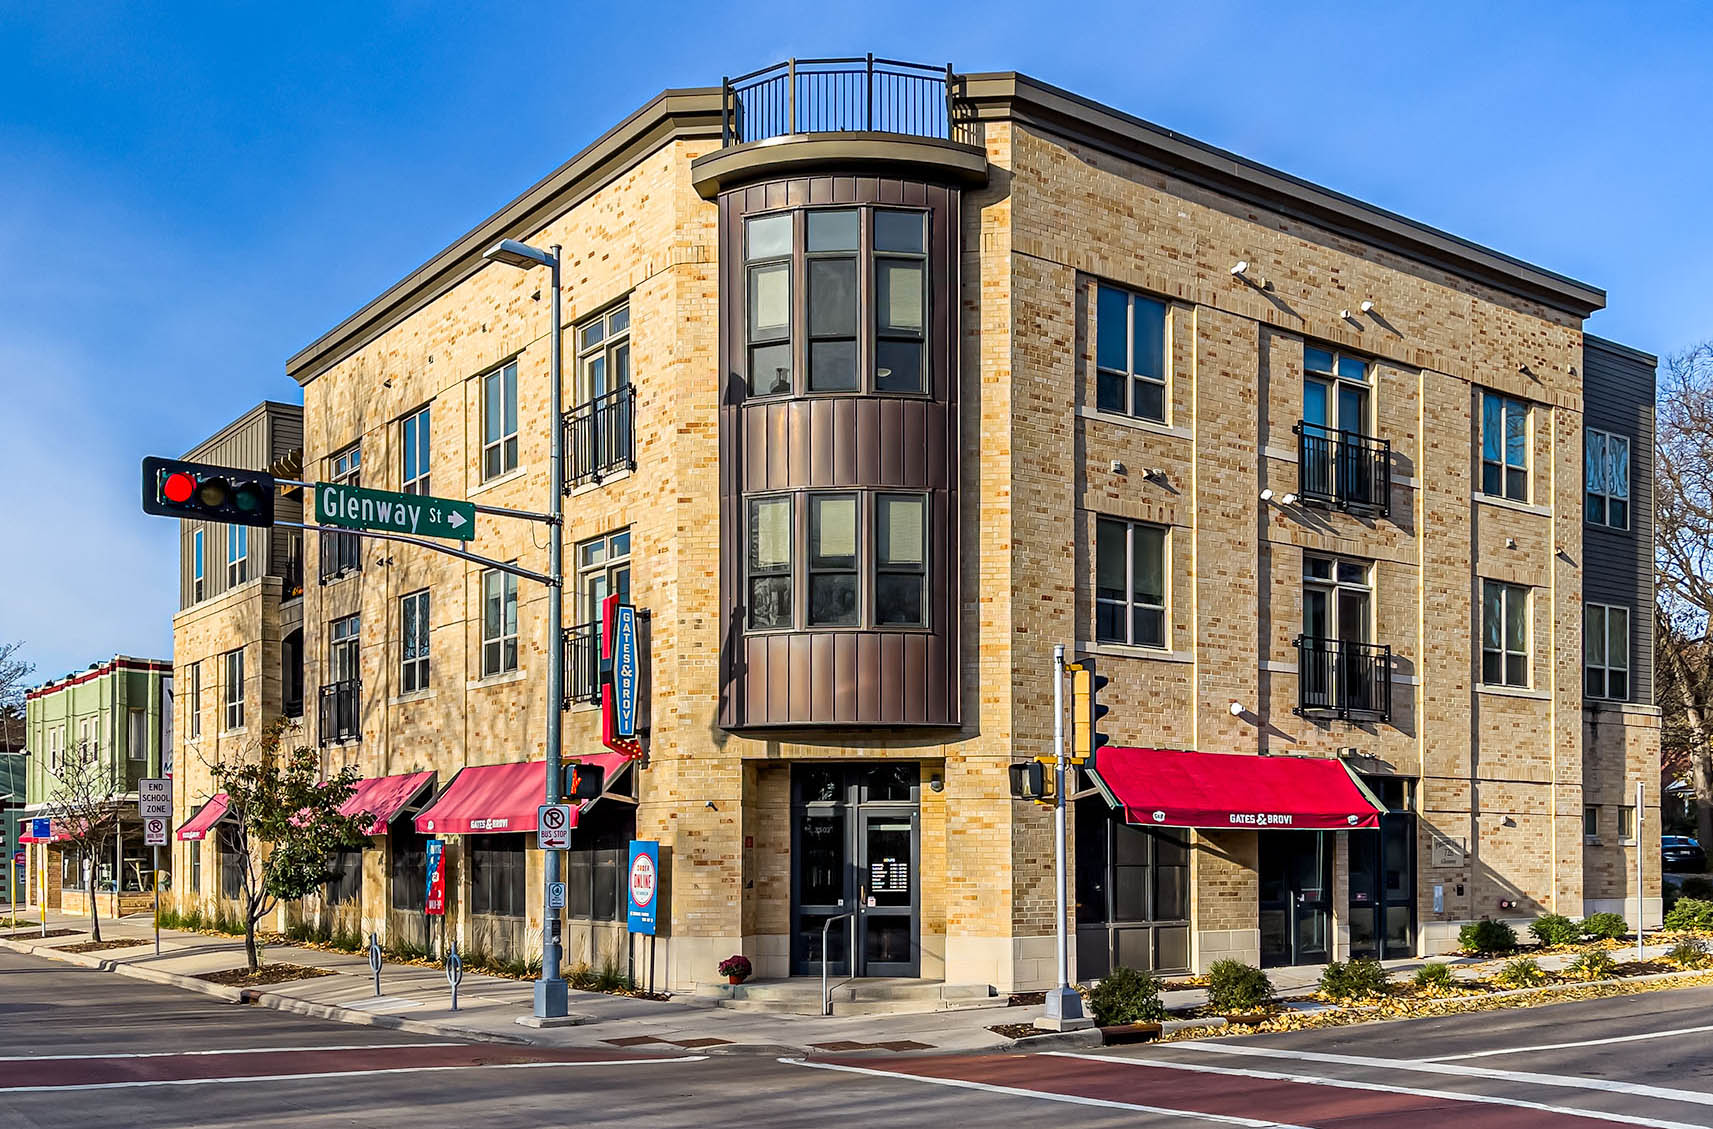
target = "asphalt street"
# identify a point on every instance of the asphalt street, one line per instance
(80, 1048)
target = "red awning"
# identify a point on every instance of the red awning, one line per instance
(210, 813)
(383, 797)
(1174, 788)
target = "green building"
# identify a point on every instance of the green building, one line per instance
(119, 712)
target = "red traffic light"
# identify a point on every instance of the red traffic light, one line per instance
(178, 487)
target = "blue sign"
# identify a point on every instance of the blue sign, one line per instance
(643, 885)
(627, 672)
(41, 830)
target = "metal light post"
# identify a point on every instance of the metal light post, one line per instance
(550, 995)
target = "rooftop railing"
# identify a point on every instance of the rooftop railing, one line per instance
(861, 94)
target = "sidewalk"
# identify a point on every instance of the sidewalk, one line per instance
(417, 999)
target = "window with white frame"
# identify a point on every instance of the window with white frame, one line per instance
(1606, 475)
(1606, 652)
(499, 421)
(1130, 354)
(234, 686)
(1129, 583)
(198, 568)
(413, 642)
(499, 622)
(1504, 447)
(414, 433)
(193, 702)
(237, 555)
(1504, 634)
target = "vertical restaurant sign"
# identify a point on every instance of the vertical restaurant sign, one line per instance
(435, 897)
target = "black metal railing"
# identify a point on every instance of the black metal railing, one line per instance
(340, 553)
(863, 94)
(1345, 680)
(1344, 469)
(600, 437)
(341, 718)
(583, 663)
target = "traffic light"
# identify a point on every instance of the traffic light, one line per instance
(201, 492)
(1086, 710)
(1029, 781)
(584, 781)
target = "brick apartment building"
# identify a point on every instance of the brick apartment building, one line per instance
(881, 381)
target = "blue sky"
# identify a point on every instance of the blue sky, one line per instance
(190, 193)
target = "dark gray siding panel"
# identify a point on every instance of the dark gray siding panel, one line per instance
(1617, 566)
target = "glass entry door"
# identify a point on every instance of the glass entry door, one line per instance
(1296, 897)
(854, 847)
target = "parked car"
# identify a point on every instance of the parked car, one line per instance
(1680, 852)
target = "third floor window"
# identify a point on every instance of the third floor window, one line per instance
(499, 421)
(1504, 447)
(1130, 354)
(1606, 474)
(416, 453)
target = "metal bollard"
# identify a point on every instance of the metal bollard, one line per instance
(454, 971)
(375, 959)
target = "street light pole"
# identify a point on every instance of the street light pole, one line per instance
(551, 999)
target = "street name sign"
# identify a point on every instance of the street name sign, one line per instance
(553, 827)
(154, 831)
(643, 886)
(154, 799)
(358, 507)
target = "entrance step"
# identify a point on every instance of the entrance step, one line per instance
(802, 996)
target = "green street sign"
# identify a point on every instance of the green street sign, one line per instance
(357, 507)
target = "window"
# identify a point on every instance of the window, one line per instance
(499, 421)
(417, 453)
(193, 701)
(1504, 634)
(1627, 823)
(1590, 822)
(409, 869)
(1129, 583)
(345, 878)
(901, 560)
(603, 354)
(195, 849)
(237, 555)
(496, 875)
(1130, 354)
(1606, 471)
(833, 560)
(234, 689)
(137, 735)
(603, 569)
(198, 583)
(767, 251)
(499, 622)
(1606, 652)
(831, 257)
(1504, 447)
(769, 563)
(413, 642)
(900, 301)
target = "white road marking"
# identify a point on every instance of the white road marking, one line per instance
(236, 1051)
(1385, 1088)
(1567, 1046)
(326, 1074)
(1047, 1095)
(1422, 1066)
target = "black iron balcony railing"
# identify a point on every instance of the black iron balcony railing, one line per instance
(833, 95)
(340, 553)
(600, 437)
(583, 663)
(340, 711)
(1344, 469)
(1344, 680)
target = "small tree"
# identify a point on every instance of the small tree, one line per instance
(83, 802)
(287, 825)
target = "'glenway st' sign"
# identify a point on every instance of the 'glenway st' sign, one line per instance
(357, 507)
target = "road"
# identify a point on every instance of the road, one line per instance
(80, 1048)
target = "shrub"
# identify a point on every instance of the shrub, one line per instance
(1689, 953)
(1690, 914)
(1126, 995)
(1233, 986)
(1605, 926)
(1435, 977)
(1353, 980)
(1487, 937)
(1595, 964)
(1521, 973)
(1556, 929)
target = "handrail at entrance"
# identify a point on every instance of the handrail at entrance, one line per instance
(826, 992)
